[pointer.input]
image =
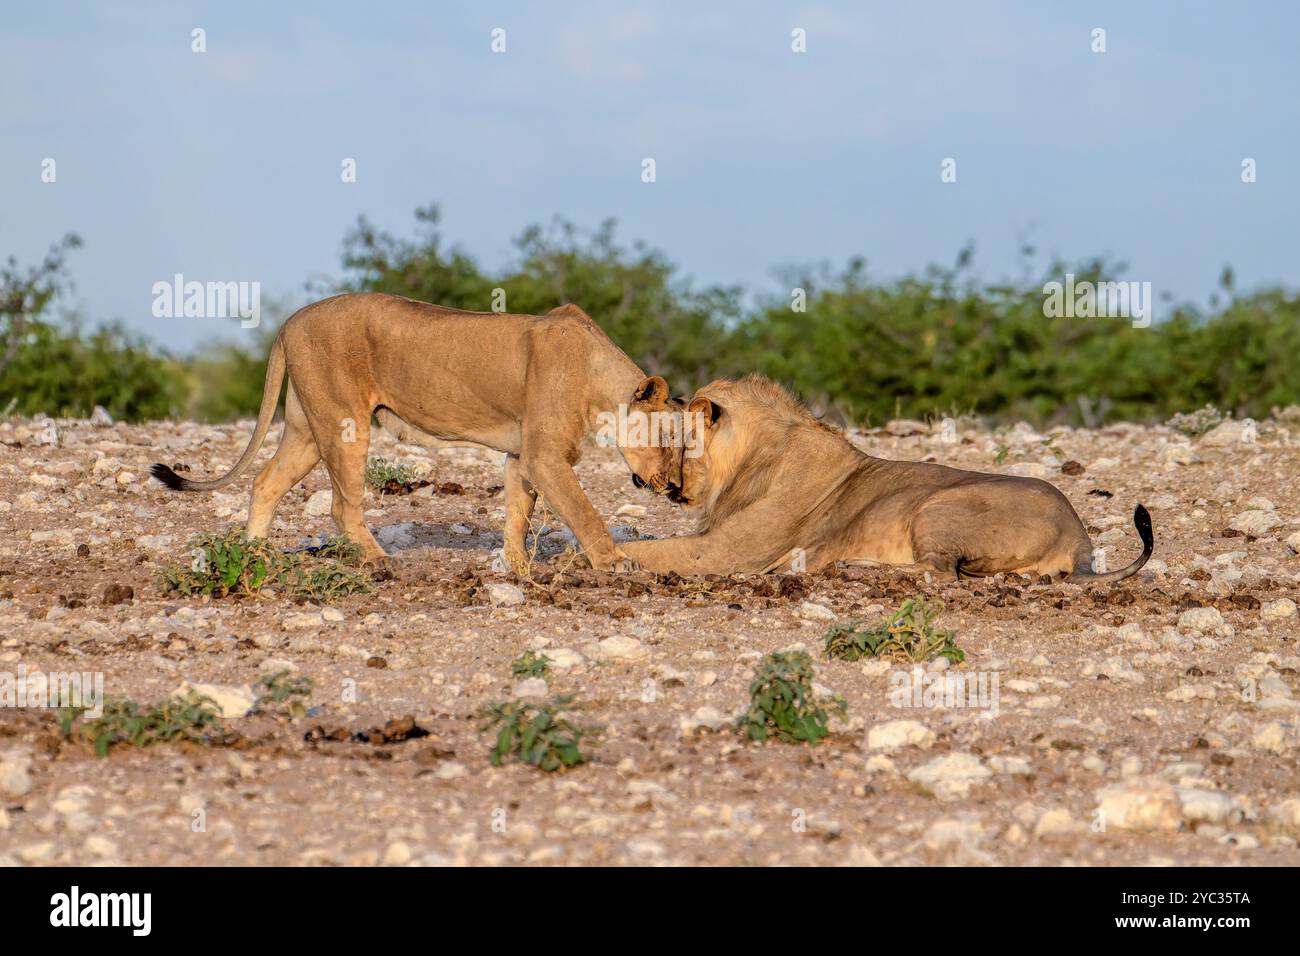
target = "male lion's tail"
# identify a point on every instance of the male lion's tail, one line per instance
(270, 399)
(1142, 521)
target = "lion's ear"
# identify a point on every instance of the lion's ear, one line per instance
(709, 410)
(653, 389)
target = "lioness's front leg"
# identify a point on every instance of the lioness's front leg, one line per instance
(557, 483)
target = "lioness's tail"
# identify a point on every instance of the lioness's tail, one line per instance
(1142, 521)
(270, 399)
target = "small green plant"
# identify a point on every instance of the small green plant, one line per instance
(222, 564)
(231, 564)
(1050, 445)
(530, 664)
(782, 701)
(381, 471)
(1196, 423)
(1000, 454)
(284, 687)
(191, 717)
(536, 734)
(908, 634)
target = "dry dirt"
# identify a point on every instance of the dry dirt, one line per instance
(1150, 722)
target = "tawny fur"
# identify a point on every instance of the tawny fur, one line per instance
(530, 386)
(776, 488)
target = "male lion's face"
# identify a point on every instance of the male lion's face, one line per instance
(700, 427)
(650, 437)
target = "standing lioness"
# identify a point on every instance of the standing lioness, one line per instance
(776, 488)
(529, 386)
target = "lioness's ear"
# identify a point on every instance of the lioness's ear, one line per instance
(710, 411)
(653, 389)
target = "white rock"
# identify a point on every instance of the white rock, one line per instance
(950, 777)
(1200, 619)
(532, 687)
(815, 612)
(1205, 806)
(565, 659)
(1056, 823)
(1192, 692)
(630, 511)
(15, 776)
(397, 854)
(1223, 434)
(1255, 523)
(502, 594)
(230, 700)
(1279, 610)
(953, 831)
(709, 718)
(620, 648)
(100, 417)
(893, 734)
(1139, 803)
(319, 504)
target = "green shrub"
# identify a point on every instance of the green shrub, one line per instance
(535, 734)
(228, 563)
(189, 718)
(908, 634)
(782, 701)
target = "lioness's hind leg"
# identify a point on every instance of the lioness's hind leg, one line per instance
(296, 456)
(346, 461)
(521, 497)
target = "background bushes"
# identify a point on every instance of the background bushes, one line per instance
(865, 350)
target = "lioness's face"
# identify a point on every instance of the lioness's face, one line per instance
(650, 439)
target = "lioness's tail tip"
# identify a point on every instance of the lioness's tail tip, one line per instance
(168, 477)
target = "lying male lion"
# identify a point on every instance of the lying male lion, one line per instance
(529, 386)
(773, 483)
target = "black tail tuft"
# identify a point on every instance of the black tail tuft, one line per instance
(1142, 520)
(176, 483)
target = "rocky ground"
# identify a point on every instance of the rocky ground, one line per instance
(1150, 722)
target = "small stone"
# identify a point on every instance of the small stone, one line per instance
(502, 594)
(710, 718)
(1140, 803)
(115, 594)
(1204, 806)
(950, 777)
(630, 511)
(397, 854)
(815, 612)
(532, 687)
(319, 504)
(894, 734)
(100, 846)
(1055, 823)
(1200, 619)
(230, 700)
(1255, 523)
(1280, 610)
(15, 778)
(36, 852)
(620, 648)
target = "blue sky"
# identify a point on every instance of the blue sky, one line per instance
(225, 165)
